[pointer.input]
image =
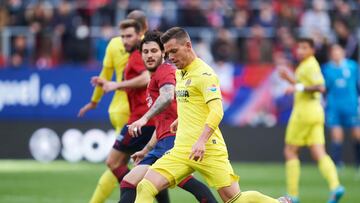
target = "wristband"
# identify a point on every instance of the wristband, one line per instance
(299, 87)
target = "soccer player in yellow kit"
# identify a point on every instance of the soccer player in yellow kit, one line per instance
(115, 60)
(199, 145)
(306, 124)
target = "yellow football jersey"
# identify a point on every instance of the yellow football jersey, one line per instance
(307, 105)
(196, 85)
(115, 60)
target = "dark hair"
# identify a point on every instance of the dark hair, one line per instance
(177, 33)
(309, 41)
(130, 23)
(140, 17)
(152, 36)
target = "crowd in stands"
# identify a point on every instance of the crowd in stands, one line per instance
(47, 33)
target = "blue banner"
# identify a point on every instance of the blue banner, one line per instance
(48, 94)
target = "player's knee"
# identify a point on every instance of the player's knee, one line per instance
(289, 153)
(129, 178)
(318, 153)
(112, 164)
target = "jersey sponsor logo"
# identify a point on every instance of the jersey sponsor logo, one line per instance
(212, 88)
(213, 141)
(182, 95)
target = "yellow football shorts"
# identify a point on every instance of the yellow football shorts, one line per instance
(119, 110)
(305, 134)
(175, 165)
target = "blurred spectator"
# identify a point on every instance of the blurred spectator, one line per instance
(343, 11)
(266, 16)
(346, 39)
(191, 14)
(155, 15)
(16, 11)
(258, 48)
(79, 44)
(104, 14)
(278, 87)
(286, 44)
(4, 19)
(121, 10)
(240, 19)
(218, 14)
(223, 48)
(39, 17)
(20, 55)
(225, 71)
(288, 12)
(202, 50)
(102, 42)
(316, 19)
(63, 29)
(321, 43)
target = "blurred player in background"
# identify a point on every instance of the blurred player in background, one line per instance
(341, 78)
(306, 124)
(115, 60)
(199, 144)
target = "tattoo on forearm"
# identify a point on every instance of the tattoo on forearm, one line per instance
(164, 99)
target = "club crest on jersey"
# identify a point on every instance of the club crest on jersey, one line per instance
(188, 82)
(149, 101)
(212, 88)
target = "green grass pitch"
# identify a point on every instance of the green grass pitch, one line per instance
(59, 182)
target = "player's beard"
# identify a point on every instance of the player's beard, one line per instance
(156, 65)
(131, 49)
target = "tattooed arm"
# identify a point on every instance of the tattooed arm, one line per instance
(165, 98)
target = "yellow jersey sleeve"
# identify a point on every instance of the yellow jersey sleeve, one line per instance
(210, 86)
(106, 72)
(310, 74)
(215, 115)
(314, 76)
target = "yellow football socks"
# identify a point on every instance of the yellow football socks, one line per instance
(292, 177)
(145, 192)
(328, 170)
(251, 197)
(106, 185)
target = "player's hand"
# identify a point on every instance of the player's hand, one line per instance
(89, 106)
(135, 127)
(284, 73)
(198, 151)
(138, 156)
(173, 126)
(97, 81)
(109, 86)
(290, 89)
